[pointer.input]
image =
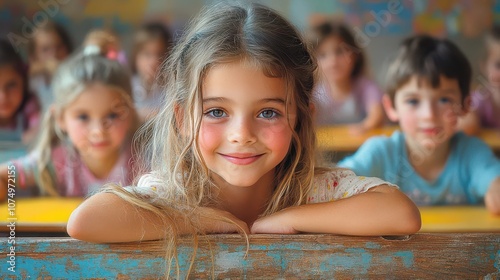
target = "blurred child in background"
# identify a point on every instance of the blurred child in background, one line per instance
(427, 91)
(49, 46)
(19, 109)
(152, 44)
(344, 95)
(84, 144)
(485, 108)
(106, 43)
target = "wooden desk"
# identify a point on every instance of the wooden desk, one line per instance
(47, 214)
(339, 139)
(420, 256)
(458, 219)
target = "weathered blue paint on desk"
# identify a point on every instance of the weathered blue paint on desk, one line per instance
(461, 255)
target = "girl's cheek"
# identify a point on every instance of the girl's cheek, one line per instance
(209, 134)
(279, 133)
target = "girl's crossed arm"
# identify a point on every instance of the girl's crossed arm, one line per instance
(382, 210)
(106, 217)
(492, 198)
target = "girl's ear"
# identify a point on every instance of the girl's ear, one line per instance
(58, 118)
(388, 105)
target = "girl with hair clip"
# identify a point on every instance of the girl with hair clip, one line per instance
(233, 149)
(85, 136)
(105, 42)
(48, 47)
(152, 44)
(344, 95)
(19, 109)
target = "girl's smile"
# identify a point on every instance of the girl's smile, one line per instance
(242, 158)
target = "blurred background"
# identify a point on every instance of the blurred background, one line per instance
(379, 25)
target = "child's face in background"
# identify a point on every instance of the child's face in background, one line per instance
(97, 121)
(49, 46)
(11, 92)
(428, 116)
(492, 67)
(149, 58)
(245, 132)
(335, 59)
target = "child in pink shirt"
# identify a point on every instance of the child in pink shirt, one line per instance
(85, 141)
(344, 95)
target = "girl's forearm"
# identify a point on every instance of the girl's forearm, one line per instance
(492, 198)
(107, 218)
(375, 117)
(383, 211)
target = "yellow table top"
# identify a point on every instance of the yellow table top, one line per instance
(51, 214)
(339, 138)
(38, 214)
(458, 219)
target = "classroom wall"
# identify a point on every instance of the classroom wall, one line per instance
(379, 25)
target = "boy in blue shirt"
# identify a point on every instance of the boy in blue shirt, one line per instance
(427, 90)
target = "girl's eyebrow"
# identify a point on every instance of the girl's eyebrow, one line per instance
(279, 101)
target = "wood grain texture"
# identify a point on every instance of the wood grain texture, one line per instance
(421, 256)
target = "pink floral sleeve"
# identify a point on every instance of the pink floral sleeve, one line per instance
(341, 183)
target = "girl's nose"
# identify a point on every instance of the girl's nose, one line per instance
(97, 128)
(242, 132)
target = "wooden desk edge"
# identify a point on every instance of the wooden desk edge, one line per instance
(462, 255)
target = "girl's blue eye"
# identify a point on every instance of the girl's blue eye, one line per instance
(412, 102)
(113, 116)
(268, 114)
(216, 113)
(83, 117)
(497, 65)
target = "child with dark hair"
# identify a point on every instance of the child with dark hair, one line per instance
(19, 110)
(344, 95)
(427, 91)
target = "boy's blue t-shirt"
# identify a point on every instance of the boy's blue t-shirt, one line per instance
(469, 171)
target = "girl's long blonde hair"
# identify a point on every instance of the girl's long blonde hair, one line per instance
(221, 34)
(71, 79)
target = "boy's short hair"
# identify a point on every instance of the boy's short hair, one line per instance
(428, 58)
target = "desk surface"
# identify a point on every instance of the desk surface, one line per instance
(51, 215)
(38, 214)
(339, 139)
(267, 256)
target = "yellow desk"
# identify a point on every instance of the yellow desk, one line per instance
(51, 215)
(38, 214)
(339, 139)
(458, 219)
(491, 137)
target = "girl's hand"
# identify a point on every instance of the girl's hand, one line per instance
(492, 198)
(357, 129)
(277, 223)
(219, 221)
